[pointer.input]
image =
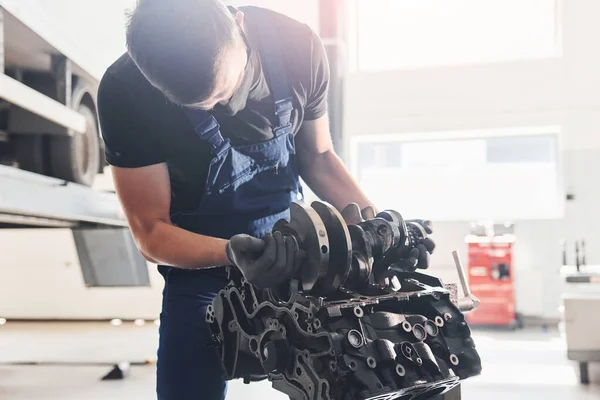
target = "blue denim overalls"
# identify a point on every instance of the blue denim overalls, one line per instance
(248, 189)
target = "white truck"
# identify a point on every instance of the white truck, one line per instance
(59, 237)
(52, 56)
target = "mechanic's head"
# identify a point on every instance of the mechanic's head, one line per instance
(194, 51)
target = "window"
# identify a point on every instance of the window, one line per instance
(396, 34)
(493, 177)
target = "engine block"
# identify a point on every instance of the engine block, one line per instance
(401, 338)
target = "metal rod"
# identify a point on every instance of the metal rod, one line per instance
(577, 263)
(461, 274)
(469, 302)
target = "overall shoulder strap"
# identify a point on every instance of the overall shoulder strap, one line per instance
(206, 127)
(273, 62)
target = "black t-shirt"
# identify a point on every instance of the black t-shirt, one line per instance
(141, 127)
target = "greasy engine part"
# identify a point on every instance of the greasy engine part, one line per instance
(335, 331)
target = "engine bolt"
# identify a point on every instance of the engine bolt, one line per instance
(406, 326)
(447, 317)
(400, 370)
(439, 321)
(419, 361)
(454, 359)
(358, 311)
(371, 362)
(322, 233)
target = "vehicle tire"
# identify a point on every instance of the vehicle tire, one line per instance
(77, 158)
(32, 153)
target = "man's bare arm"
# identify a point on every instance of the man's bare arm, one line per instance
(323, 170)
(145, 194)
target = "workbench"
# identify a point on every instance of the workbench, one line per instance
(580, 316)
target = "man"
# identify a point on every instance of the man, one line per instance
(209, 121)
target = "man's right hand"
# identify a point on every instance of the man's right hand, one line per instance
(266, 262)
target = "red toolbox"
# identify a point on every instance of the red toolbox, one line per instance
(490, 272)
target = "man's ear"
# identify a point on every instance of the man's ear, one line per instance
(239, 17)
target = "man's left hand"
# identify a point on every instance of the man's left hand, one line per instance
(416, 258)
(427, 245)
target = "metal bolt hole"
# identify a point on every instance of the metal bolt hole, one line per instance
(253, 345)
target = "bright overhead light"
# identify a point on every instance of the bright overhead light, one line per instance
(139, 322)
(116, 322)
(2, 321)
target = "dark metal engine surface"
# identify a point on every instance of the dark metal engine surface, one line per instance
(410, 344)
(351, 325)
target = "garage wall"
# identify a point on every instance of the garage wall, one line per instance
(563, 91)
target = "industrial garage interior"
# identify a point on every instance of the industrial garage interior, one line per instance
(482, 116)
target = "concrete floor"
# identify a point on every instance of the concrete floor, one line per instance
(517, 366)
